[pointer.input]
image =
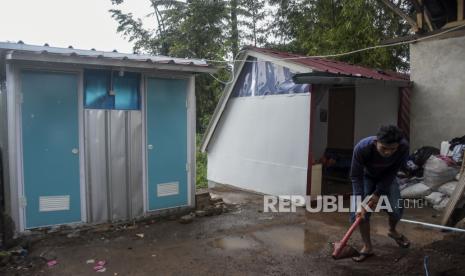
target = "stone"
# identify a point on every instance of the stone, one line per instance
(49, 255)
(200, 213)
(73, 234)
(209, 211)
(187, 218)
(215, 200)
(202, 200)
(218, 210)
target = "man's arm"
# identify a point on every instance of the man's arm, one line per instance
(356, 171)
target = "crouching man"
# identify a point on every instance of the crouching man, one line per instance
(375, 163)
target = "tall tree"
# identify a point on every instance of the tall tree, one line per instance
(320, 27)
(286, 15)
(193, 29)
(234, 27)
(254, 21)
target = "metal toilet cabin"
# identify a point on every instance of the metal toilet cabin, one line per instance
(90, 136)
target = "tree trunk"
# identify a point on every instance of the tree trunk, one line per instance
(234, 30)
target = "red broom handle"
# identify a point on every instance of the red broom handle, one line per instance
(352, 228)
(346, 238)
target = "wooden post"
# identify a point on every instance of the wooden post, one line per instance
(399, 12)
(462, 169)
(310, 133)
(423, 15)
(456, 196)
(420, 16)
(460, 10)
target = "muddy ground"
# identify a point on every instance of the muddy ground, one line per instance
(243, 241)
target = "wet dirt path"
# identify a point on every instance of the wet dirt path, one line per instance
(245, 241)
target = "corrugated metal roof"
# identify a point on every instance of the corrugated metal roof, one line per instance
(114, 55)
(333, 66)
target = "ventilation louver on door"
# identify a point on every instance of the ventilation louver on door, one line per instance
(167, 189)
(53, 203)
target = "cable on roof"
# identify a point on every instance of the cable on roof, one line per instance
(327, 56)
(232, 72)
(350, 52)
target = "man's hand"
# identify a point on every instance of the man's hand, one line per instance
(372, 202)
(361, 213)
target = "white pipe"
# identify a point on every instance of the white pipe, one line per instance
(434, 225)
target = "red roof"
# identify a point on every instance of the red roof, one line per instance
(333, 66)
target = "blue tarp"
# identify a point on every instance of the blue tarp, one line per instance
(261, 78)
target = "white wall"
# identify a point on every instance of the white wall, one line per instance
(375, 105)
(437, 71)
(261, 144)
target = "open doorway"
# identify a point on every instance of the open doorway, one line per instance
(341, 117)
(332, 138)
(340, 140)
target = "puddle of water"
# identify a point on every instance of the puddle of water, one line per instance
(292, 239)
(234, 243)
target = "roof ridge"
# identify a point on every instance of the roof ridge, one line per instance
(334, 66)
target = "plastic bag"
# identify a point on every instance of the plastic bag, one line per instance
(457, 153)
(416, 161)
(421, 155)
(437, 172)
(419, 190)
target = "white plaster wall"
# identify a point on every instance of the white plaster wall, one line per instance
(375, 105)
(438, 98)
(261, 144)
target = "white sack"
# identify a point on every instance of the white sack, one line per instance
(448, 188)
(437, 172)
(434, 198)
(442, 205)
(418, 190)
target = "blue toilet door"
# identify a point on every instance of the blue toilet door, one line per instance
(166, 143)
(50, 135)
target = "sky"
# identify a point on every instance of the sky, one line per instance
(84, 24)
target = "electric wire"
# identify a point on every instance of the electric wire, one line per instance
(324, 56)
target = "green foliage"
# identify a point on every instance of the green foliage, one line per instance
(201, 162)
(197, 30)
(133, 30)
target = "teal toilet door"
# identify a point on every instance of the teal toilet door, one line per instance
(50, 135)
(166, 143)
